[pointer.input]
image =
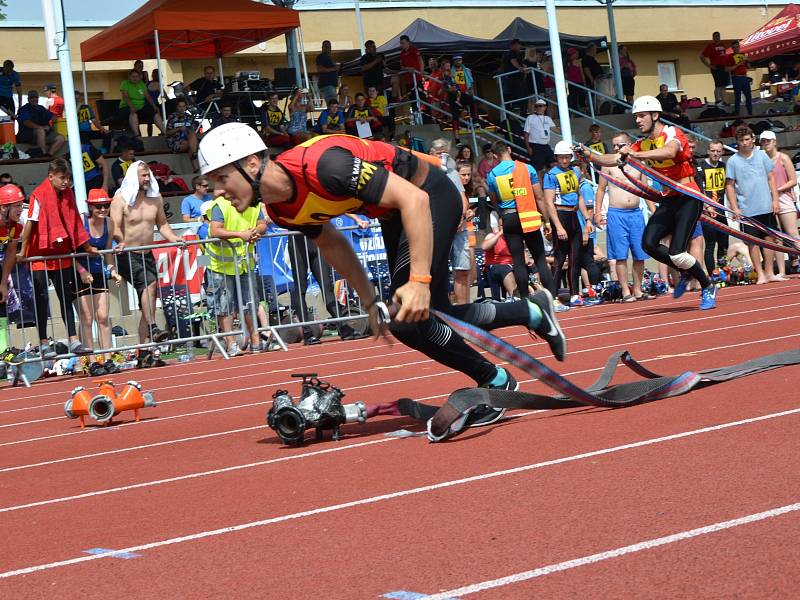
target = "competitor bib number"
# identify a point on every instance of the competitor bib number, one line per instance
(567, 182)
(715, 180)
(88, 163)
(655, 144)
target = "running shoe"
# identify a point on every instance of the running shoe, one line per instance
(576, 301)
(680, 287)
(549, 329)
(592, 301)
(559, 307)
(708, 298)
(483, 414)
(157, 334)
(234, 350)
(97, 370)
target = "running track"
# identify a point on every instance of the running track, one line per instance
(695, 496)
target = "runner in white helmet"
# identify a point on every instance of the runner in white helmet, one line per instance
(666, 149)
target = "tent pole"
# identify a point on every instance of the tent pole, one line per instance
(558, 71)
(85, 86)
(68, 93)
(360, 24)
(160, 79)
(219, 68)
(612, 30)
(303, 56)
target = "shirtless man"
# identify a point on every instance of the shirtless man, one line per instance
(133, 227)
(625, 224)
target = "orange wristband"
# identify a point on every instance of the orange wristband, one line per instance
(420, 278)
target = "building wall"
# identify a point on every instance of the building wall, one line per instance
(681, 31)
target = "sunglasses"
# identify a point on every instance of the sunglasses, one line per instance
(105, 205)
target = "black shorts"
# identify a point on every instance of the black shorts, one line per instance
(768, 219)
(145, 114)
(7, 103)
(721, 77)
(628, 85)
(138, 269)
(99, 285)
(542, 156)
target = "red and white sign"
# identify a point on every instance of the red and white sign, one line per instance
(780, 35)
(178, 266)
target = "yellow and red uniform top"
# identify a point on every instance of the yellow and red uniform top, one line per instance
(677, 168)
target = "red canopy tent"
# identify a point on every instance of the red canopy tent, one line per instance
(780, 35)
(178, 29)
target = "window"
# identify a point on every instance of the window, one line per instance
(668, 73)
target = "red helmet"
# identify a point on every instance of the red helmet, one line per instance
(11, 194)
(98, 196)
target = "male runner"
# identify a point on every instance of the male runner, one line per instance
(666, 150)
(420, 211)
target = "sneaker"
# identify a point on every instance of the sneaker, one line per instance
(157, 334)
(111, 367)
(708, 298)
(97, 370)
(680, 287)
(592, 301)
(233, 350)
(576, 301)
(79, 349)
(559, 307)
(311, 341)
(549, 329)
(483, 414)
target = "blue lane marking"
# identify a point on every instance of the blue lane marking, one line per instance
(114, 553)
(403, 595)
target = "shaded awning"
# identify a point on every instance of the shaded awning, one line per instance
(190, 29)
(780, 35)
(533, 35)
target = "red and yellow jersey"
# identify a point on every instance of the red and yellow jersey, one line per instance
(676, 168)
(334, 175)
(8, 232)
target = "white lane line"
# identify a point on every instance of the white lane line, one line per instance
(258, 363)
(129, 449)
(397, 494)
(429, 361)
(215, 410)
(616, 553)
(144, 484)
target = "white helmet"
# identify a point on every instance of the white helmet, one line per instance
(563, 148)
(646, 104)
(226, 144)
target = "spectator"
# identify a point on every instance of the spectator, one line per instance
(361, 113)
(751, 191)
(738, 66)
(372, 67)
(35, 126)
(273, 123)
(206, 88)
(627, 71)
(498, 260)
(711, 180)
(191, 211)
(514, 84)
(624, 223)
(136, 210)
(181, 137)
(96, 172)
(54, 227)
(591, 68)
(671, 107)
(465, 83)
(138, 65)
(505, 182)
(474, 187)
(5, 179)
(465, 155)
(331, 120)
(87, 119)
(11, 199)
(488, 160)
(576, 97)
(344, 97)
(137, 105)
(590, 271)
(327, 72)
(537, 139)
(299, 109)
(433, 88)
(241, 225)
(596, 142)
(785, 182)
(410, 58)
(54, 102)
(225, 115)
(561, 188)
(714, 56)
(460, 256)
(120, 166)
(774, 77)
(377, 101)
(92, 295)
(9, 79)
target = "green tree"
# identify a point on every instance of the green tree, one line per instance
(2, 5)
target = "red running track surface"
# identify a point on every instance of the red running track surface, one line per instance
(694, 496)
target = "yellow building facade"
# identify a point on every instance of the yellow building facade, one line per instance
(654, 34)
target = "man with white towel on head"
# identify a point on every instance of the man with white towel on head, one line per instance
(136, 210)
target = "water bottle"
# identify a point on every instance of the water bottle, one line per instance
(185, 358)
